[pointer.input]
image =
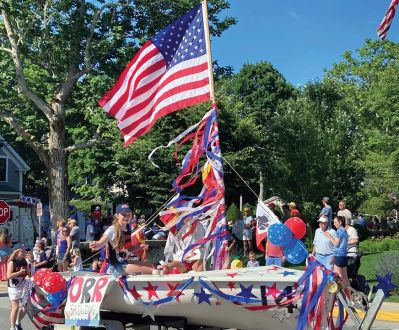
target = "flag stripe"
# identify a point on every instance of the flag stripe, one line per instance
(387, 20)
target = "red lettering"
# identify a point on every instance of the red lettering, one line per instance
(97, 296)
(75, 289)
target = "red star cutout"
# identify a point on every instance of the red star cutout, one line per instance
(217, 303)
(231, 285)
(232, 274)
(275, 268)
(272, 291)
(151, 290)
(135, 294)
(172, 292)
(295, 286)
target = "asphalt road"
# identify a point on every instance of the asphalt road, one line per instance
(27, 325)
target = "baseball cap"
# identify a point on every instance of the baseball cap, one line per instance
(326, 199)
(123, 208)
(322, 219)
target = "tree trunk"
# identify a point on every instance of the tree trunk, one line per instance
(57, 170)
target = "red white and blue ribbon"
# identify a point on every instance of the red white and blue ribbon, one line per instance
(209, 205)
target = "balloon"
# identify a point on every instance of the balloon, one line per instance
(279, 234)
(297, 227)
(55, 299)
(54, 282)
(295, 252)
(40, 276)
(236, 264)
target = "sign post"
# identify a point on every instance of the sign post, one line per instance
(39, 213)
(4, 212)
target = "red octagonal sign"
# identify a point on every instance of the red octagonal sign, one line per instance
(4, 212)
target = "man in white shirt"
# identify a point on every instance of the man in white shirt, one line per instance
(90, 232)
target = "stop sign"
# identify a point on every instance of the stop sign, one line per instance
(4, 212)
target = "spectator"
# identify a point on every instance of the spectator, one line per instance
(16, 273)
(76, 260)
(5, 251)
(90, 231)
(41, 259)
(64, 250)
(58, 234)
(344, 212)
(353, 241)
(326, 210)
(272, 206)
(96, 214)
(75, 233)
(252, 260)
(323, 248)
(247, 232)
(361, 221)
(30, 263)
(293, 210)
(274, 255)
(286, 213)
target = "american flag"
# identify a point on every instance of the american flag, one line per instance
(387, 20)
(168, 73)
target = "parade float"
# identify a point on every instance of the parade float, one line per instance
(156, 83)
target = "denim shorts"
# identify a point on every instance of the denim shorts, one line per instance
(118, 269)
(340, 261)
(60, 256)
(273, 261)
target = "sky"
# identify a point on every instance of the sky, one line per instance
(301, 38)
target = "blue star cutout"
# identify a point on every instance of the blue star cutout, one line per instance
(286, 273)
(385, 284)
(203, 296)
(246, 292)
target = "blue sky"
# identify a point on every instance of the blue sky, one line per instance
(300, 38)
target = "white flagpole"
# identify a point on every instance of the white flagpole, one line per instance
(208, 49)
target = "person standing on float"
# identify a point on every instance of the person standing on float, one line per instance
(118, 237)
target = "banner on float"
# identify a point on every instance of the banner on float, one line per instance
(85, 296)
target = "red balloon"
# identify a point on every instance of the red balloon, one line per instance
(40, 276)
(297, 227)
(53, 283)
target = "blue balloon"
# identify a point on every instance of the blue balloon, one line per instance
(295, 252)
(55, 299)
(279, 234)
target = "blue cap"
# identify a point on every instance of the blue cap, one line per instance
(123, 208)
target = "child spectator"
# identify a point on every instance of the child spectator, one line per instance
(76, 260)
(16, 272)
(30, 263)
(252, 260)
(41, 259)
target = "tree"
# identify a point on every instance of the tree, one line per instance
(58, 48)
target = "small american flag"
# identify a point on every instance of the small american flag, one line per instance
(168, 73)
(387, 20)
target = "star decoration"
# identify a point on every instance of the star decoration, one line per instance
(173, 292)
(286, 273)
(149, 310)
(203, 297)
(281, 314)
(272, 291)
(231, 285)
(232, 275)
(134, 293)
(151, 290)
(275, 268)
(246, 292)
(217, 303)
(385, 284)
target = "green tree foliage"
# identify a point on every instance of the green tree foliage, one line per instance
(232, 213)
(60, 57)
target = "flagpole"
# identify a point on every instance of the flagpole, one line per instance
(208, 49)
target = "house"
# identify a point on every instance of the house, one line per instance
(12, 170)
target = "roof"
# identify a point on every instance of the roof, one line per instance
(13, 155)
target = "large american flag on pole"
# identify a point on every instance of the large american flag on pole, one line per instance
(168, 73)
(387, 20)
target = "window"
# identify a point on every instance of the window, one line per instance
(3, 169)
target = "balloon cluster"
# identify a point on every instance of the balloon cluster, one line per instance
(288, 235)
(52, 284)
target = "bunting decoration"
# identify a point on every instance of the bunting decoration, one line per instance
(208, 207)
